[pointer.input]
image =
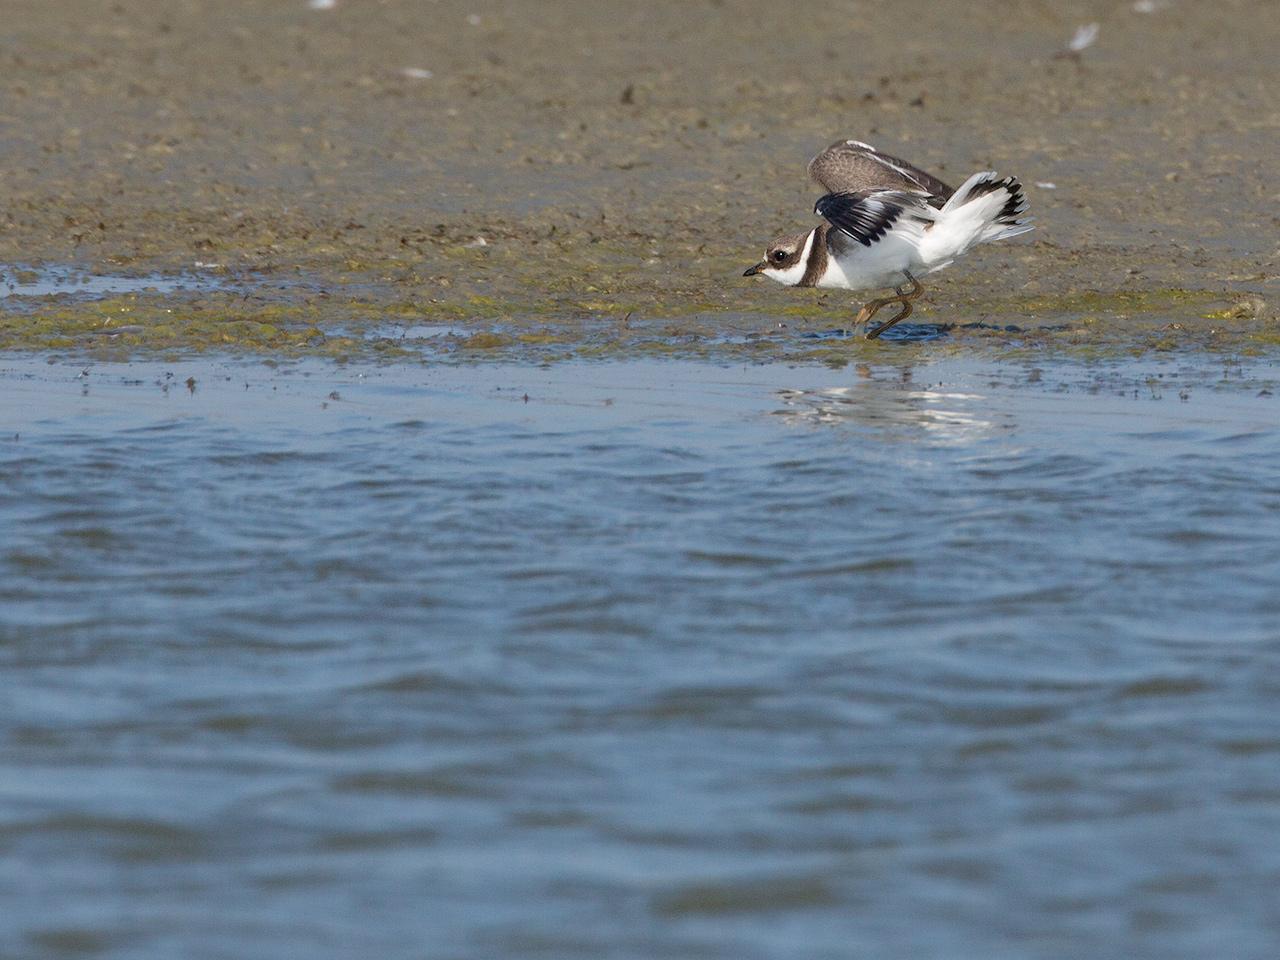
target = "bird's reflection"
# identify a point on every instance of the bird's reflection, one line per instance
(889, 401)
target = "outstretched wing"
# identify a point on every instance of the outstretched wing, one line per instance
(851, 166)
(867, 215)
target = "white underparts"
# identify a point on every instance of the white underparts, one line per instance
(922, 241)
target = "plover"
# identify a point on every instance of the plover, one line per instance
(888, 222)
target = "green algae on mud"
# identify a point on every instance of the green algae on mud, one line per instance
(378, 320)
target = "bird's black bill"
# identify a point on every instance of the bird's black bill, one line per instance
(753, 270)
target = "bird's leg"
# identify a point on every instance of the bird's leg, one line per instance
(902, 298)
(902, 315)
(869, 310)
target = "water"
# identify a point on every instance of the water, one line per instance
(18, 283)
(639, 660)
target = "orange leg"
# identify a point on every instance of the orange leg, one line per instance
(869, 311)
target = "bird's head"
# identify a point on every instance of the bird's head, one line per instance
(783, 260)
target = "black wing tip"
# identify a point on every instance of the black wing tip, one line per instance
(852, 215)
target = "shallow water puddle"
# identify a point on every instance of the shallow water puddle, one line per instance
(415, 331)
(30, 282)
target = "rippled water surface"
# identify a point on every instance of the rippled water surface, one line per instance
(636, 661)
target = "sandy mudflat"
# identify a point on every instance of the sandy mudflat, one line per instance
(620, 157)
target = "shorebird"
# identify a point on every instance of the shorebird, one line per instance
(888, 222)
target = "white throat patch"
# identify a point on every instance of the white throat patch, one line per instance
(794, 273)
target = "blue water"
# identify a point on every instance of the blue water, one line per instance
(640, 660)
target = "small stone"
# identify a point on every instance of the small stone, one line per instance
(1247, 308)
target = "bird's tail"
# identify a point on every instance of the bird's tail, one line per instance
(986, 207)
(989, 207)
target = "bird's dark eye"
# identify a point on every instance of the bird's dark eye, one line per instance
(779, 255)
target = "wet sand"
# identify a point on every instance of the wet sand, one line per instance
(621, 159)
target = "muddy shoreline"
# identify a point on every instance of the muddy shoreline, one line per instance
(341, 168)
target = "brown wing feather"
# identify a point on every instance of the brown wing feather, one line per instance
(851, 167)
